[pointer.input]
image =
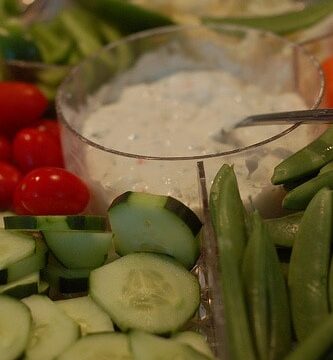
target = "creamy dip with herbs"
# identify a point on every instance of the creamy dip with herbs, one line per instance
(181, 115)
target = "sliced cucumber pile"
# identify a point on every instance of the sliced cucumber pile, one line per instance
(76, 280)
(155, 223)
(145, 291)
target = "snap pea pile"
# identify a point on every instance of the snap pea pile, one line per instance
(278, 306)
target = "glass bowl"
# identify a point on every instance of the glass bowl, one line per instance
(153, 137)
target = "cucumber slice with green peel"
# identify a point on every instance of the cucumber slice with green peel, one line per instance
(56, 222)
(15, 325)
(14, 246)
(155, 223)
(67, 281)
(43, 287)
(21, 288)
(25, 266)
(113, 346)
(79, 249)
(196, 341)
(84, 311)
(146, 291)
(151, 347)
(52, 332)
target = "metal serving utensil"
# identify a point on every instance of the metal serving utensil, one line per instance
(317, 116)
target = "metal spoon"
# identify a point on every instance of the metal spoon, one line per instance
(317, 116)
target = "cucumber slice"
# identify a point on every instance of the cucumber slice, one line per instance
(155, 223)
(14, 246)
(52, 332)
(15, 325)
(21, 288)
(84, 311)
(79, 249)
(151, 347)
(56, 222)
(26, 266)
(99, 346)
(67, 281)
(146, 291)
(196, 341)
(43, 287)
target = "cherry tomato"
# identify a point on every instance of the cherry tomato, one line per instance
(50, 126)
(5, 149)
(9, 179)
(327, 67)
(21, 105)
(52, 191)
(33, 148)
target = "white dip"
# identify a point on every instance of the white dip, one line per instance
(167, 105)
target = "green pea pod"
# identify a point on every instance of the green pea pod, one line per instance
(306, 161)
(228, 211)
(254, 272)
(225, 206)
(309, 265)
(299, 198)
(316, 345)
(283, 230)
(129, 18)
(280, 337)
(328, 167)
(330, 285)
(282, 23)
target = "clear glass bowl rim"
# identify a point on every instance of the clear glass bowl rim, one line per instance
(173, 29)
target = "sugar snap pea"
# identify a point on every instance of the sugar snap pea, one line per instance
(278, 305)
(281, 23)
(328, 167)
(283, 230)
(309, 264)
(224, 200)
(227, 210)
(254, 270)
(299, 198)
(307, 160)
(317, 344)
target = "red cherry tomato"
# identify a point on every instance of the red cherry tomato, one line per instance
(9, 179)
(50, 126)
(52, 191)
(5, 149)
(33, 148)
(327, 67)
(21, 105)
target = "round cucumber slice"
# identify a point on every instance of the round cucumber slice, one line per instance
(99, 346)
(15, 325)
(155, 223)
(56, 222)
(79, 249)
(146, 291)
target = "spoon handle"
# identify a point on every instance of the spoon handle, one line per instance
(320, 116)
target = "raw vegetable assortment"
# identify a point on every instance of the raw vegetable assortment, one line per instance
(121, 305)
(277, 309)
